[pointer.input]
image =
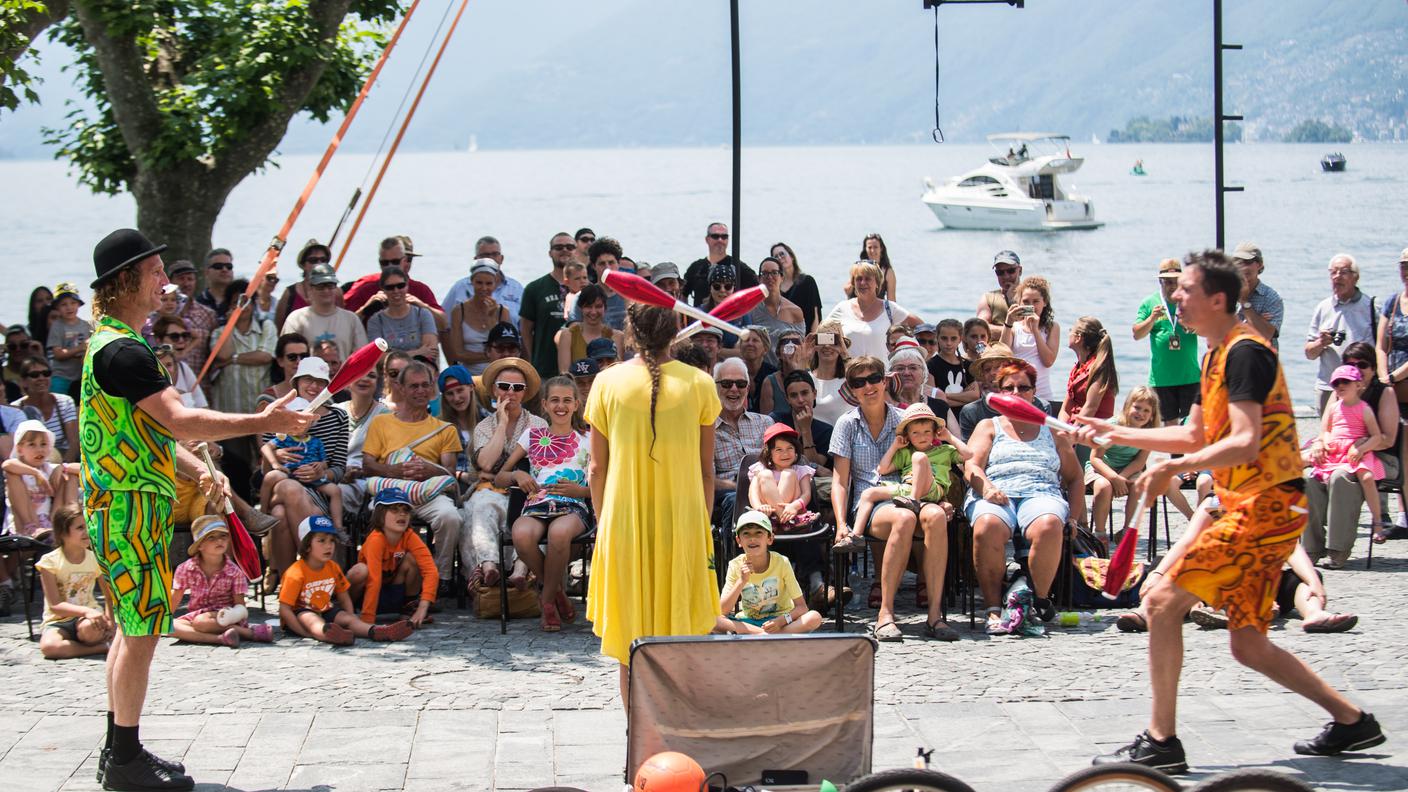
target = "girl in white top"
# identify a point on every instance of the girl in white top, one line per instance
(1030, 329)
(826, 349)
(867, 317)
(34, 485)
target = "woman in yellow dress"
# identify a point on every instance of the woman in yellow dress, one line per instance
(651, 474)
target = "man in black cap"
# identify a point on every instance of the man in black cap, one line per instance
(584, 239)
(696, 278)
(129, 421)
(504, 341)
(994, 305)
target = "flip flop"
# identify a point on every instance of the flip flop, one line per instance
(1333, 623)
(1131, 623)
(887, 632)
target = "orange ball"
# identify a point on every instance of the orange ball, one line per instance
(669, 771)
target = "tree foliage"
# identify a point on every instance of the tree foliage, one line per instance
(1174, 129)
(1316, 131)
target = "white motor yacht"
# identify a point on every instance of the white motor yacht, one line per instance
(1017, 191)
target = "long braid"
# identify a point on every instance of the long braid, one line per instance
(653, 329)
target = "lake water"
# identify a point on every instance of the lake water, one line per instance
(822, 201)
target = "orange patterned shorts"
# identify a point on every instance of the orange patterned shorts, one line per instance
(1236, 562)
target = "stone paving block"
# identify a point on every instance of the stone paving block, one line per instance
(200, 760)
(447, 761)
(171, 727)
(227, 731)
(342, 719)
(64, 732)
(589, 727)
(349, 778)
(1037, 717)
(40, 769)
(524, 773)
(282, 726)
(457, 726)
(390, 745)
(589, 760)
(17, 722)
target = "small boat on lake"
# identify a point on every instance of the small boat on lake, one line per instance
(1138, 169)
(1333, 163)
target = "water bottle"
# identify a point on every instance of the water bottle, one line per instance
(1076, 618)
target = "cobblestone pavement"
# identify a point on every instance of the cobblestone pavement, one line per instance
(460, 707)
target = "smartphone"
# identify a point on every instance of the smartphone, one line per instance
(789, 348)
(1026, 310)
(826, 339)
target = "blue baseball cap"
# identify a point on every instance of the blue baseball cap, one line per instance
(458, 373)
(315, 524)
(584, 367)
(391, 495)
(600, 348)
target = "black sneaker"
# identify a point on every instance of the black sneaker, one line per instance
(1166, 757)
(1045, 608)
(1338, 738)
(103, 756)
(146, 772)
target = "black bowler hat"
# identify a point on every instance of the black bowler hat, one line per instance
(120, 250)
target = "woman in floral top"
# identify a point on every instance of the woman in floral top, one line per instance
(557, 495)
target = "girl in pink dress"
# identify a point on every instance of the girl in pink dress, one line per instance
(1348, 428)
(778, 486)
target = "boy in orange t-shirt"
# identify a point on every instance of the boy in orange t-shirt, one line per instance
(395, 572)
(313, 600)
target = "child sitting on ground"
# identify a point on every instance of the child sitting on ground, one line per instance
(313, 598)
(762, 586)
(216, 613)
(1348, 428)
(395, 572)
(74, 625)
(34, 486)
(924, 452)
(1111, 470)
(779, 487)
(311, 451)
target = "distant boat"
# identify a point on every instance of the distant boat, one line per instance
(1333, 163)
(473, 144)
(1138, 169)
(1019, 191)
(1095, 139)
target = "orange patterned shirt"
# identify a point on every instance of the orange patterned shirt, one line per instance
(1278, 460)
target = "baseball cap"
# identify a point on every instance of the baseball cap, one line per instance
(1346, 373)
(314, 367)
(66, 289)
(486, 265)
(16, 328)
(1006, 257)
(925, 328)
(1403, 257)
(503, 331)
(778, 430)
(204, 527)
(317, 523)
(712, 331)
(181, 267)
(664, 271)
(752, 519)
(1247, 251)
(390, 496)
(601, 347)
(321, 275)
(584, 367)
(1170, 268)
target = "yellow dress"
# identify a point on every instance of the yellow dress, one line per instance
(653, 570)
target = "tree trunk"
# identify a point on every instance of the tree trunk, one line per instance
(183, 219)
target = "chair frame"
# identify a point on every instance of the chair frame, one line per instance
(585, 542)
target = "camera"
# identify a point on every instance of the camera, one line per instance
(789, 348)
(1337, 337)
(826, 339)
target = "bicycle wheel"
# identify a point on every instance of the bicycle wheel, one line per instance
(1253, 781)
(1124, 777)
(908, 779)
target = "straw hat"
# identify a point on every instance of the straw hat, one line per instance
(491, 373)
(997, 354)
(919, 411)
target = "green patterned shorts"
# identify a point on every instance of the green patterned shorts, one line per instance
(131, 533)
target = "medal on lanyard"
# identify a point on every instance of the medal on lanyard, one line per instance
(1174, 344)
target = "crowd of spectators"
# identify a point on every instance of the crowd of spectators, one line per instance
(866, 417)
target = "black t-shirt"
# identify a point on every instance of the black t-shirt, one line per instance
(1250, 372)
(948, 375)
(696, 278)
(128, 370)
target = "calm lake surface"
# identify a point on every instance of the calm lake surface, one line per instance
(822, 201)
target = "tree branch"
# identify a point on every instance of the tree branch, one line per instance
(124, 77)
(31, 26)
(250, 152)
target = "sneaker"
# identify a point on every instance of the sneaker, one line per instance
(1045, 609)
(1207, 618)
(1165, 757)
(144, 772)
(1337, 738)
(105, 756)
(395, 631)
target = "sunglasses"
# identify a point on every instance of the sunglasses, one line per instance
(178, 336)
(587, 239)
(507, 348)
(718, 237)
(857, 383)
(317, 260)
(722, 286)
(729, 384)
(272, 280)
(1360, 364)
(392, 286)
(294, 357)
(38, 374)
(513, 387)
(391, 262)
(393, 374)
(1016, 388)
(1004, 271)
(562, 248)
(221, 265)
(163, 349)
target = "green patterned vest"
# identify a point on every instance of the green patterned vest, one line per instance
(124, 448)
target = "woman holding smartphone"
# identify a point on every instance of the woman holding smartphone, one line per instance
(1030, 329)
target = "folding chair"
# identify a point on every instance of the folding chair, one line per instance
(1388, 487)
(818, 533)
(583, 542)
(14, 544)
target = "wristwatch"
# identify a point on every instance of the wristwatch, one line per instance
(788, 617)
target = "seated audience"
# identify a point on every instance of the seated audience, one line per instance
(472, 318)
(34, 486)
(216, 613)
(828, 352)
(55, 410)
(404, 324)
(75, 625)
(395, 572)
(322, 318)
(867, 317)
(506, 386)
(1113, 469)
(761, 595)
(313, 598)
(790, 354)
(737, 433)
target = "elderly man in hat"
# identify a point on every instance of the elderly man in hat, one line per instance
(1173, 348)
(1260, 306)
(129, 421)
(975, 412)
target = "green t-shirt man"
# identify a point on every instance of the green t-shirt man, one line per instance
(542, 305)
(1169, 366)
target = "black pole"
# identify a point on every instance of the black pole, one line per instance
(736, 231)
(1217, 116)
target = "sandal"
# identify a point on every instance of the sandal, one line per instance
(940, 631)
(550, 621)
(230, 638)
(872, 600)
(909, 504)
(1380, 536)
(564, 607)
(1132, 622)
(887, 632)
(476, 581)
(1332, 623)
(995, 626)
(263, 633)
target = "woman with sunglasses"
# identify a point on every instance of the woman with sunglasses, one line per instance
(173, 338)
(1335, 504)
(858, 444)
(405, 326)
(723, 280)
(797, 286)
(873, 249)
(56, 410)
(264, 307)
(1024, 484)
(505, 386)
(289, 350)
(243, 361)
(868, 315)
(776, 313)
(295, 296)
